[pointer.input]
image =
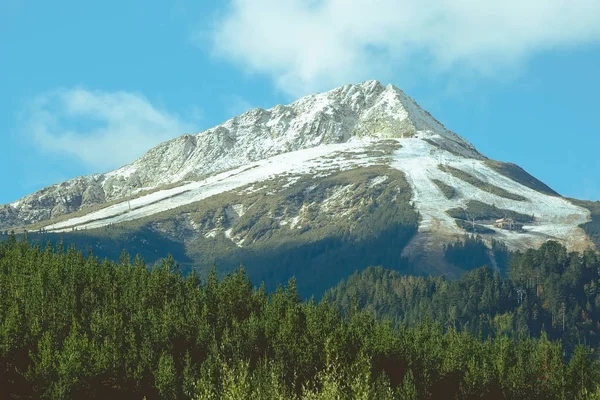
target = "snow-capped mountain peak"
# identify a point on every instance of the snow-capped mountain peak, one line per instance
(350, 127)
(368, 109)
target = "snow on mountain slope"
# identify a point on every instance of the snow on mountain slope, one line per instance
(555, 217)
(368, 109)
(299, 162)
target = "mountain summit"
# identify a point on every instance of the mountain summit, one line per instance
(336, 172)
(351, 111)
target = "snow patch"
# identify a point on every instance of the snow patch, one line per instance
(377, 181)
(238, 209)
(228, 235)
(211, 234)
(291, 181)
(336, 198)
(295, 222)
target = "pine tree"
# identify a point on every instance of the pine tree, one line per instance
(166, 377)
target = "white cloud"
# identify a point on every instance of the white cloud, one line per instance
(308, 45)
(104, 130)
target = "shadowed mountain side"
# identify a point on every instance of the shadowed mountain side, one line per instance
(592, 228)
(317, 265)
(518, 174)
(149, 245)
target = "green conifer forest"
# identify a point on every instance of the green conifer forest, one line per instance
(74, 326)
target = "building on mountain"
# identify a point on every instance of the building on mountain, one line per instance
(508, 224)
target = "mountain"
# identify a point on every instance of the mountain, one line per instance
(352, 111)
(334, 182)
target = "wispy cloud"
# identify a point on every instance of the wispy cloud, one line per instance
(236, 104)
(308, 45)
(104, 130)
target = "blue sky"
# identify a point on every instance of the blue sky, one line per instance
(88, 86)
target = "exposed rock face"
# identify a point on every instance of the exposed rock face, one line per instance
(9, 216)
(367, 109)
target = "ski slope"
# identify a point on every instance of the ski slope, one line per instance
(556, 218)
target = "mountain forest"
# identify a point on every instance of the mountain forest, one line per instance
(75, 326)
(344, 246)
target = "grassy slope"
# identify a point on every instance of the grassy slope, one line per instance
(592, 228)
(518, 174)
(326, 248)
(478, 183)
(446, 189)
(482, 211)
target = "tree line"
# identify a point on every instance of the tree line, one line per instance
(545, 291)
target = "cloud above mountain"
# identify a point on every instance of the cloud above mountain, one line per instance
(103, 130)
(308, 45)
